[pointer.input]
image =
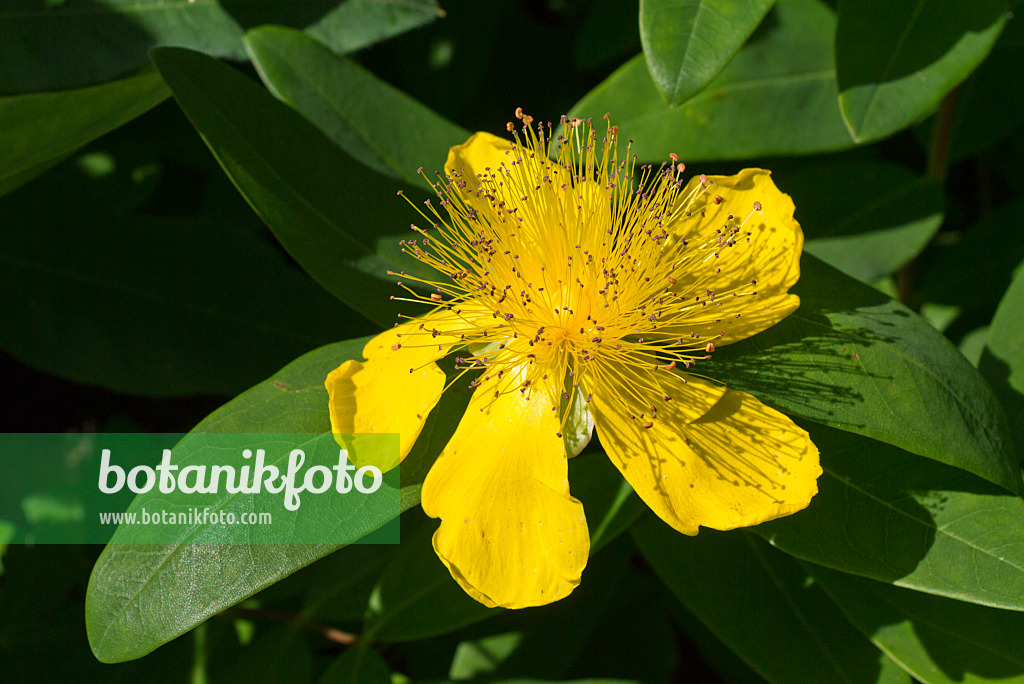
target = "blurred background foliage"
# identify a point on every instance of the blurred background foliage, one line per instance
(146, 281)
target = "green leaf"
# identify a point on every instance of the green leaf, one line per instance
(1002, 362)
(688, 42)
(887, 215)
(758, 602)
(894, 517)
(895, 59)
(357, 665)
(356, 24)
(377, 124)
(982, 257)
(939, 641)
(416, 597)
(338, 587)
(142, 597)
(977, 125)
(610, 503)
(130, 319)
(789, 65)
(852, 358)
(326, 209)
(37, 130)
(73, 43)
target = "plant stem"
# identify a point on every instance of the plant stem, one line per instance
(329, 633)
(937, 167)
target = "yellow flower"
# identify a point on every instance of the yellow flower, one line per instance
(584, 292)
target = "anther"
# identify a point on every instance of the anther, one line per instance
(647, 425)
(717, 199)
(710, 347)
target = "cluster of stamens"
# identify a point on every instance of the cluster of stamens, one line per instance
(572, 268)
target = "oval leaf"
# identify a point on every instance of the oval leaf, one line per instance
(892, 516)
(318, 202)
(895, 59)
(894, 216)
(374, 122)
(74, 43)
(852, 358)
(937, 640)
(757, 602)
(36, 129)
(687, 42)
(1002, 362)
(791, 66)
(140, 597)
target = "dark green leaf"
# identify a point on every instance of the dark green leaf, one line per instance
(380, 126)
(338, 587)
(607, 34)
(977, 124)
(789, 65)
(149, 305)
(758, 602)
(316, 200)
(895, 517)
(611, 505)
(852, 358)
(416, 597)
(895, 59)
(687, 42)
(939, 641)
(975, 270)
(357, 665)
(50, 45)
(1002, 362)
(355, 24)
(38, 129)
(882, 216)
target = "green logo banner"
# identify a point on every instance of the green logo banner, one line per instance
(218, 488)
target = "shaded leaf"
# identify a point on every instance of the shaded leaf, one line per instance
(610, 503)
(895, 59)
(357, 665)
(1002, 362)
(974, 271)
(98, 304)
(38, 129)
(687, 42)
(316, 203)
(892, 516)
(881, 218)
(355, 24)
(789, 65)
(939, 641)
(377, 124)
(74, 43)
(416, 596)
(852, 358)
(757, 601)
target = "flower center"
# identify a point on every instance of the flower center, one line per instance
(570, 265)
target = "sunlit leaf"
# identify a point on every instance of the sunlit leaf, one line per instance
(687, 42)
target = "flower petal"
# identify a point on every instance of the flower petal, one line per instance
(765, 262)
(739, 464)
(510, 533)
(483, 153)
(400, 364)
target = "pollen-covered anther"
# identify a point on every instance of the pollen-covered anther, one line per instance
(396, 347)
(717, 199)
(757, 206)
(647, 425)
(710, 347)
(436, 297)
